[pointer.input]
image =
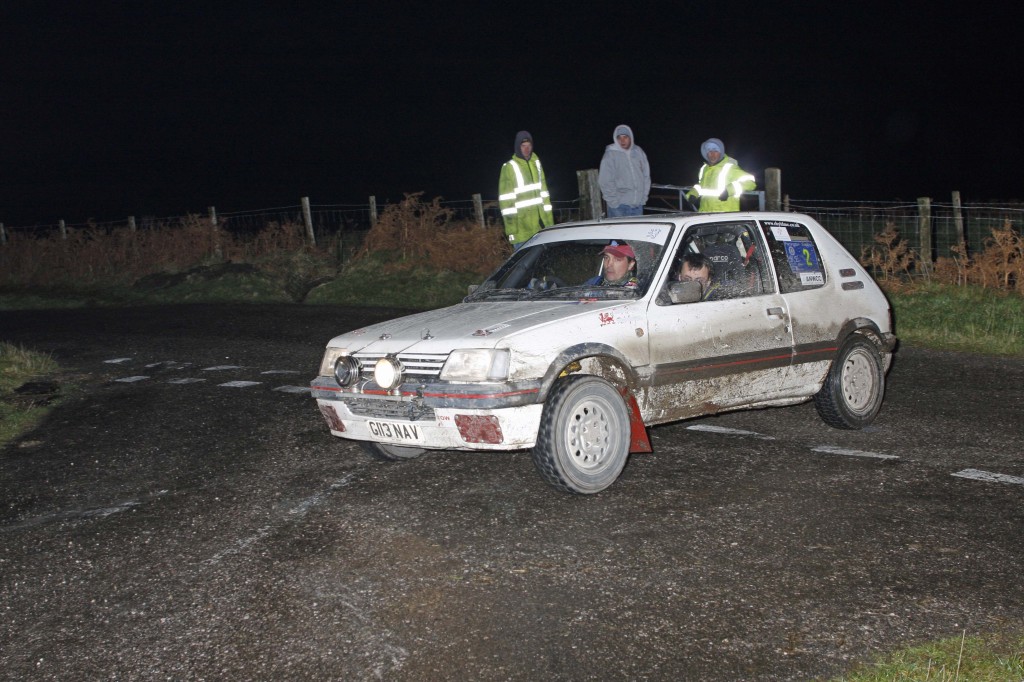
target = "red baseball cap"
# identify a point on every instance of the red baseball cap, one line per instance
(620, 250)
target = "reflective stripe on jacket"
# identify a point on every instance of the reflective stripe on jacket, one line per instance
(524, 199)
(713, 180)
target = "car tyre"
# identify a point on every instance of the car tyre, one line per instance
(583, 440)
(853, 390)
(391, 453)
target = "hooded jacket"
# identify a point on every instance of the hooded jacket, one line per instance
(523, 195)
(724, 176)
(625, 175)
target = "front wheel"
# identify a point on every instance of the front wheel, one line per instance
(583, 441)
(853, 390)
(390, 453)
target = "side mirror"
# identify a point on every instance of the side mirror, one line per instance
(684, 292)
(472, 288)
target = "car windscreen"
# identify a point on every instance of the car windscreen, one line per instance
(571, 269)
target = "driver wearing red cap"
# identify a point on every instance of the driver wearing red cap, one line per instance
(618, 267)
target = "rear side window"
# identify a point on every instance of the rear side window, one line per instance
(796, 257)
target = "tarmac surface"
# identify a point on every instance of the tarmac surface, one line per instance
(186, 514)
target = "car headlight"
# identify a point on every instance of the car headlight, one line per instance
(346, 371)
(476, 364)
(388, 373)
(330, 357)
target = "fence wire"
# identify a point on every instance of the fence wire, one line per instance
(854, 223)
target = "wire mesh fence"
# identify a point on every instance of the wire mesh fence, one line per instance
(854, 223)
(327, 219)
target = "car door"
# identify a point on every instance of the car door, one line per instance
(817, 318)
(716, 354)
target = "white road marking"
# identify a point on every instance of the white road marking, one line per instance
(293, 389)
(173, 364)
(727, 431)
(220, 367)
(833, 450)
(298, 511)
(190, 380)
(240, 384)
(107, 511)
(978, 475)
(128, 380)
(281, 371)
(73, 514)
(116, 361)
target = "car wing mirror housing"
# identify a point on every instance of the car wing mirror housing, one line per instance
(684, 292)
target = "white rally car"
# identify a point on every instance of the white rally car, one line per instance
(540, 356)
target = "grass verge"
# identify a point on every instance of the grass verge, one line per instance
(962, 318)
(18, 366)
(370, 282)
(993, 658)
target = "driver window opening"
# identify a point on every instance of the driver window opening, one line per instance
(727, 260)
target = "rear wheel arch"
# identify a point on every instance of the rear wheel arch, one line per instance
(860, 325)
(885, 343)
(865, 326)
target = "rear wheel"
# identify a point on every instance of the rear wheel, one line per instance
(583, 441)
(852, 393)
(390, 453)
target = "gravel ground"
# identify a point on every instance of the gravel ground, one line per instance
(191, 530)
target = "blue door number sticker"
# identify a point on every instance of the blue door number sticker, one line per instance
(803, 260)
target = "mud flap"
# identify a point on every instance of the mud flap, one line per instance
(638, 440)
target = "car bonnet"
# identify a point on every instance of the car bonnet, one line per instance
(466, 325)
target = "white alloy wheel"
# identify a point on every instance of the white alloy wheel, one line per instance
(852, 393)
(583, 442)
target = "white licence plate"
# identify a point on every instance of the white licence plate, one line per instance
(395, 432)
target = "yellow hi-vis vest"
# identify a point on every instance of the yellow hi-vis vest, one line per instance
(523, 198)
(713, 180)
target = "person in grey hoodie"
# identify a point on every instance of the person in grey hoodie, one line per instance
(625, 175)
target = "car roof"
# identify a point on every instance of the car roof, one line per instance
(681, 218)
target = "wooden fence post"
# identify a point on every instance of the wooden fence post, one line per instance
(214, 231)
(958, 221)
(924, 224)
(373, 211)
(590, 194)
(3, 235)
(63, 229)
(307, 219)
(785, 203)
(773, 188)
(132, 230)
(478, 210)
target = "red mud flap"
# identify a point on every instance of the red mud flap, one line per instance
(638, 440)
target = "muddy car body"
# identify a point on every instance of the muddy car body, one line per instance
(542, 356)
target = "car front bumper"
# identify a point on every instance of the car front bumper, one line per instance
(435, 417)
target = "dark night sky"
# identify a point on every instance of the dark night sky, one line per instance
(110, 109)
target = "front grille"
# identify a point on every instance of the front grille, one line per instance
(416, 366)
(382, 408)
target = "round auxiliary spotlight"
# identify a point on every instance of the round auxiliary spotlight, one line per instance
(388, 373)
(346, 371)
